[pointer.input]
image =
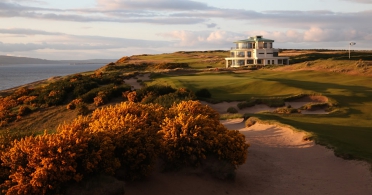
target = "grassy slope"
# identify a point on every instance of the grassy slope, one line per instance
(350, 133)
(195, 59)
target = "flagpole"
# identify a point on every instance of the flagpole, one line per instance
(350, 44)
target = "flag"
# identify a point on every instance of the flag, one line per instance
(352, 43)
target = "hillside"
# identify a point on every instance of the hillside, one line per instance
(346, 84)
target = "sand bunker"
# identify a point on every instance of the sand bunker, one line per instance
(133, 82)
(222, 107)
(279, 162)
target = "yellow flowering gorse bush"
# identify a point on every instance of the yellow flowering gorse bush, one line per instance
(129, 137)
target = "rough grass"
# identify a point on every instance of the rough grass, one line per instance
(348, 132)
(195, 59)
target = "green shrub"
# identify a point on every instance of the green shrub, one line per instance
(273, 102)
(232, 110)
(286, 110)
(156, 90)
(203, 93)
(246, 104)
(168, 65)
(82, 109)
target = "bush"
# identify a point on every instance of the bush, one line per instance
(246, 104)
(40, 164)
(24, 110)
(83, 109)
(125, 138)
(287, 110)
(203, 93)
(250, 122)
(101, 99)
(74, 104)
(232, 110)
(156, 90)
(167, 65)
(192, 131)
(273, 102)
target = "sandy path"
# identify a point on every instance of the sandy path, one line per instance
(133, 81)
(279, 162)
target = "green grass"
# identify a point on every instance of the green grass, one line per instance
(231, 86)
(348, 133)
(195, 59)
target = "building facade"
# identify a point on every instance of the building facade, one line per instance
(255, 51)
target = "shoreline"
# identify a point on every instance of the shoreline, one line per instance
(32, 84)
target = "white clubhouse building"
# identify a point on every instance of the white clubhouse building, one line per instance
(254, 51)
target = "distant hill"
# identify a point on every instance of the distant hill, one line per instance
(6, 60)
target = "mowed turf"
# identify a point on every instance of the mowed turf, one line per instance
(348, 132)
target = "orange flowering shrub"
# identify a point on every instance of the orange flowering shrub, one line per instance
(132, 96)
(40, 164)
(133, 129)
(74, 103)
(129, 136)
(192, 131)
(6, 114)
(100, 99)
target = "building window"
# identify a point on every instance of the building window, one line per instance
(259, 61)
(272, 62)
(280, 61)
(268, 61)
(261, 53)
(241, 62)
(275, 54)
(249, 54)
(250, 62)
(232, 54)
(241, 54)
(269, 53)
(250, 46)
(265, 45)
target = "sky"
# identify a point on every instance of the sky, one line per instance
(111, 29)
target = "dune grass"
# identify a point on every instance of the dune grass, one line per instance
(349, 133)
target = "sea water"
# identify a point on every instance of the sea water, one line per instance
(20, 74)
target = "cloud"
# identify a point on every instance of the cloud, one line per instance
(220, 39)
(187, 12)
(22, 31)
(202, 39)
(60, 41)
(211, 25)
(170, 5)
(360, 1)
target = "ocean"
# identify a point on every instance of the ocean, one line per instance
(20, 74)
